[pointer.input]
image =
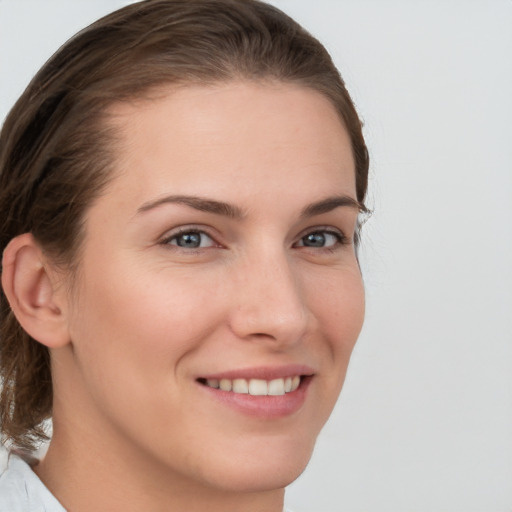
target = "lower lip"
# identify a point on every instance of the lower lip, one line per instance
(265, 407)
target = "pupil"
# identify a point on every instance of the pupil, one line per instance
(189, 240)
(315, 240)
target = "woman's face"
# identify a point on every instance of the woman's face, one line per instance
(220, 255)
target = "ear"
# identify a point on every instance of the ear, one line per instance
(30, 286)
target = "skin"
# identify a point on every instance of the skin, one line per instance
(133, 429)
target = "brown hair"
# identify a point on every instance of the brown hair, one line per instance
(56, 147)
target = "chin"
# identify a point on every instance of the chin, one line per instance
(264, 470)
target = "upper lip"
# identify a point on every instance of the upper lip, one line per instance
(262, 372)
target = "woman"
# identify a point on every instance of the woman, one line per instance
(180, 188)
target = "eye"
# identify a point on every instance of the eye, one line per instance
(320, 239)
(190, 239)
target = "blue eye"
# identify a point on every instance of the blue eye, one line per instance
(191, 240)
(320, 239)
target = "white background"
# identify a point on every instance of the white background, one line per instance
(424, 423)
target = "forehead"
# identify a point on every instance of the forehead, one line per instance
(238, 135)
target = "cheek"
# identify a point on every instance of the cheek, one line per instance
(339, 306)
(339, 301)
(127, 322)
(133, 335)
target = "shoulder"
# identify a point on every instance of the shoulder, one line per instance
(20, 488)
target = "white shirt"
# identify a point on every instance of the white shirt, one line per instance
(20, 488)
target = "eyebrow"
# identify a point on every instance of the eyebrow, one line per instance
(331, 203)
(235, 212)
(198, 203)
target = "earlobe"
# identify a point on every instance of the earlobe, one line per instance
(30, 288)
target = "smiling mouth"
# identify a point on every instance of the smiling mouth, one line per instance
(256, 387)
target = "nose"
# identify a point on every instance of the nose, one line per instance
(269, 302)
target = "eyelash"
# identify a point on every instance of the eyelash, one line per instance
(340, 239)
(339, 236)
(188, 231)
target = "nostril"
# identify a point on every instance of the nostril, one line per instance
(261, 335)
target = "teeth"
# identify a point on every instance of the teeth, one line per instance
(240, 386)
(276, 387)
(256, 387)
(225, 385)
(213, 383)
